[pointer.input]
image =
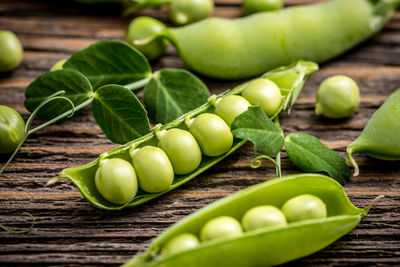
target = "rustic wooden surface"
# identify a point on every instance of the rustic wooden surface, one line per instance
(70, 232)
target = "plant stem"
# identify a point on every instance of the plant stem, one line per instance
(138, 84)
(52, 97)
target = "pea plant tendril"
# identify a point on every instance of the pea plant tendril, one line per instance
(27, 131)
(20, 231)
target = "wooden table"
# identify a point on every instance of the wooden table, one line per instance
(71, 232)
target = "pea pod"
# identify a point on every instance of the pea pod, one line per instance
(290, 79)
(380, 138)
(246, 47)
(266, 246)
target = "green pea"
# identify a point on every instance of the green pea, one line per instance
(255, 6)
(182, 150)
(337, 97)
(180, 243)
(12, 129)
(265, 93)
(59, 65)
(10, 51)
(141, 28)
(231, 106)
(189, 11)
(212, 133)
(154, 170)
(221, 227)
(262, 217)
(304, 207)
(116, 181)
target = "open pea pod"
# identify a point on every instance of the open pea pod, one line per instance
(83, 177)
(262, 247)
(380, 138)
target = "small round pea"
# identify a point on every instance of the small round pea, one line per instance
(180, 243)
(189, 11)
(337, 97)
(59, 65)
(231, 106)
(12, 129)
(141, 28)
(304, 207)
(265, 93)
(154, 170)
(212, 133)
(116, 181)
(254, 6)
(262, 217)
(220, 227)
(181, 148)
(11, 51)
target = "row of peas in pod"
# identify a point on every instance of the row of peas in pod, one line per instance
(180, 151)
(299, 208)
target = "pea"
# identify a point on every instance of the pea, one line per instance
(10, 51)
(212, 133)
(116, 181)
(12, 129)
(59, 65)
(254, 6)
(337, 97)
(189, 11)
(231, 106)
(262, 217)
(154, 170)
(180, 243)
(265, 93)
(182, 150)
(145, 27)
(220, 227)
(304, 207)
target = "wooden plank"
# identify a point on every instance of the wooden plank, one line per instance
(69, 232)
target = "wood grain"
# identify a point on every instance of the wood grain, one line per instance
(69, 232)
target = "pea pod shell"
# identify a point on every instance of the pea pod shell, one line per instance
(83, 176)
(264, 247)
(246, 47)
(380, 138)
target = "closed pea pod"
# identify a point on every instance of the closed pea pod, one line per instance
(246, 47)
(267, 246)
(154, 170)
(380, 138)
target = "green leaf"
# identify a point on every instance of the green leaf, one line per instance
(310, 155)
(76, 86)
(120, 114)
(110, 62)
(255, 126)
(173, 92)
